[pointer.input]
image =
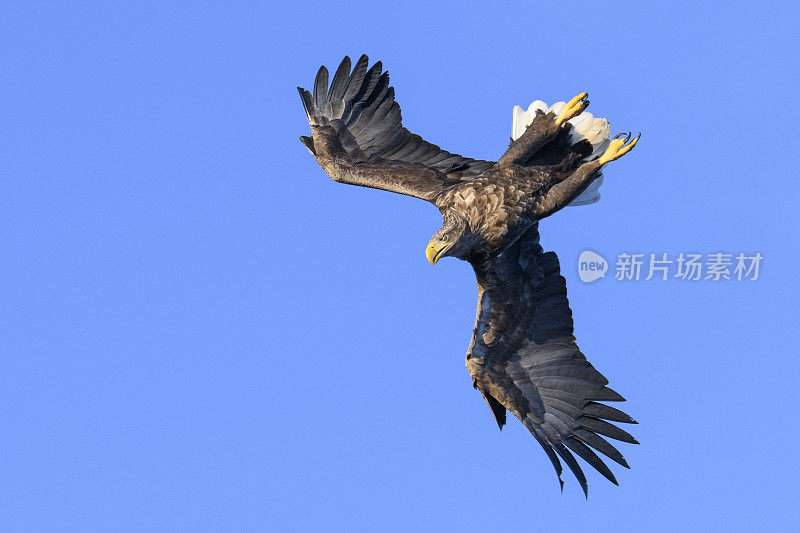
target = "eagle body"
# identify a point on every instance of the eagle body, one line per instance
(523, 356)
(500, 204)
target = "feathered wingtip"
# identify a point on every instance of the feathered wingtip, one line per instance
(308, 104)
(325, 103)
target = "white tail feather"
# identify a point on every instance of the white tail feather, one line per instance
(585, 126)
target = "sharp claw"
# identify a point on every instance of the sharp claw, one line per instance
(619, 147)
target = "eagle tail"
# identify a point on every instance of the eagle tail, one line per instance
(585, 126)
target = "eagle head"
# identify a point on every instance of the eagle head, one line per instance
(454, 238)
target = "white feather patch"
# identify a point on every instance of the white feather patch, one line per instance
(585, 126)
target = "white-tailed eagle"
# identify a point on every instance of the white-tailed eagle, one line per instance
(523, 357)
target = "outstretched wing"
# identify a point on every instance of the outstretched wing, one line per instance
(524, 358)
(360, 111)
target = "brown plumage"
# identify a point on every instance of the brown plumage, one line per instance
(523, 356)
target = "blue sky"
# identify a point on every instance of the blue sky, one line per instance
(200, 331)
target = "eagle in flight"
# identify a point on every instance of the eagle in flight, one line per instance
(523, 357)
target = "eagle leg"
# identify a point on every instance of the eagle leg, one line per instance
(562, 193)
(573, 108)
(618, 148)
(542, 129)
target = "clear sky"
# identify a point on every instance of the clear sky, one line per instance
(200, 331)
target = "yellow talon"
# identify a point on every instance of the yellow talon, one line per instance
(573, 108)
(618, 148)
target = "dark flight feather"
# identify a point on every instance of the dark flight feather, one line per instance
(598, 410)
(320, 87)
(590, 457)
(601, 427)
(601, 445)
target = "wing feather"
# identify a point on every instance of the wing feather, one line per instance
(598, 410)
(601, 445)
(361, 106)
(601, 427)
(590, 457)
(535, 368)
(320, 87)
(356, 79)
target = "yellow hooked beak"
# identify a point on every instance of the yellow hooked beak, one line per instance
(435, 250)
